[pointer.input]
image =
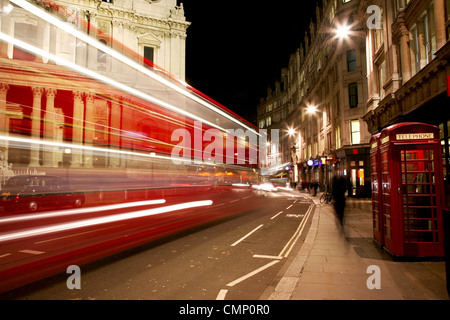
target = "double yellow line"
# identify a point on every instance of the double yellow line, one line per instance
(290, 244)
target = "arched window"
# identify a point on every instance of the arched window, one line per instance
(99, 130)
(101, 56)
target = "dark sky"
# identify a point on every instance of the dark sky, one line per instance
(236, 49)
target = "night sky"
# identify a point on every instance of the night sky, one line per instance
(236, 49)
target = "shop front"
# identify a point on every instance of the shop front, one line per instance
(354, 164)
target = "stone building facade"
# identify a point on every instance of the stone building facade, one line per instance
(41, 100)
(409, 66)
(326, 74)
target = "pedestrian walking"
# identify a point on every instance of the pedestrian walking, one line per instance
(339, 187)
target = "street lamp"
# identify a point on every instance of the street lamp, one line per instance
(291, 131)
(311, 109)
(343, 31)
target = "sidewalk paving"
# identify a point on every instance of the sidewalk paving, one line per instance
(332, 263)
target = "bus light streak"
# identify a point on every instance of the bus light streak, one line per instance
(96, 221)
(111, 82)
(64, 26)
(81, 211)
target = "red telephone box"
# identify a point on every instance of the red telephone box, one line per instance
(375, 168)
(412, 190)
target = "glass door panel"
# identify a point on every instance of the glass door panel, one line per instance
(419, 196)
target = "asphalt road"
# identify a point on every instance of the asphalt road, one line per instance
(236, 257)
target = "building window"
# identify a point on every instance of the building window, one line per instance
(328, 113)
(27, 33)
(414, 46)
(355, 131)
(338, 106)
(378, 34)
(447, 23)
(353, 94)
(423, 41)
(149, 53)
(329, 141)
(337, 133)
(99, 131)
(261, 124)
(381, 79)
(101, 56)
(351, 60)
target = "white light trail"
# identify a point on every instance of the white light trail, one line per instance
(81, 147)
(96, 221)
(68, 212)
(91, 74)
(83, 37)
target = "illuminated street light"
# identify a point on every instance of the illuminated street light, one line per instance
(291, 131)
(311, 109)
(343, 31)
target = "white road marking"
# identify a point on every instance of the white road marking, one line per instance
(276, 215)
(222, 294)
(235, 200)
(5, 255)
(294, 215)
(251, 274)
(290, 244)
(289, 207)
(267, 257)
(246, 236)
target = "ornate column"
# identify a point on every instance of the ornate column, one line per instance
(77, 127)
(4, 123)
(4, 127)
(89, 128)
(405, 54)
(400, 35)
(36, 125)
(439, 21)
(50, 128)
(114, 130)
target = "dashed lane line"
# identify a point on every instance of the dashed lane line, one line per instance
(263, 256)
(276, 215)
(246, 236)
(251, 274)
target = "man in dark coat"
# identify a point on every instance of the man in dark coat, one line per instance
(339, 187)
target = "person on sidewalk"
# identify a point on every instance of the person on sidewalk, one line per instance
(314, 186)
(339, 187)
